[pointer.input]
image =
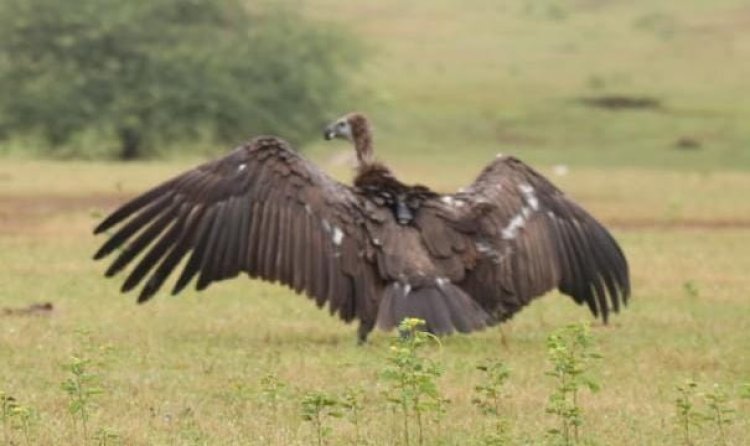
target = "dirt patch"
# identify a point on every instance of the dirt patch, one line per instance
(19, 214)
(38, 309)
(621, 102)
(681, 224)
(687, 143)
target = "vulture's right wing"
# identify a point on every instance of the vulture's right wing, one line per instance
(530, 238)
(263, 210)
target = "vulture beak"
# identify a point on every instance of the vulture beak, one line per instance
(330, 132)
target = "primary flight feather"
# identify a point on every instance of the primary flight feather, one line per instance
(377, 251)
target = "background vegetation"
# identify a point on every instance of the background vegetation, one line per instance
(129, 76)
(449, 85)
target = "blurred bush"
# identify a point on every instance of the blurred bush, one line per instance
(138, 74)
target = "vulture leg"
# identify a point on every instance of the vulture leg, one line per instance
(365, 327)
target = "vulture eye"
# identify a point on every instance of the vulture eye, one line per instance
(341, 125)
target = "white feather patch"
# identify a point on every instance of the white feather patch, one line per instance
(525, 188)
(533, 202)
(529, 196)
(516, 223)
(484, 248)
(450, 201)
(510, 231)
(338, 235)
(490, 252)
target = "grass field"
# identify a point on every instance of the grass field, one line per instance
(454, 83)
(188, 370)
(491, 76)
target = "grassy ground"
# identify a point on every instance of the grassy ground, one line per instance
(489, 76)
(454, 83)
(188, 370)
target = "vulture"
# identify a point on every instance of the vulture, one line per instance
(377, 251)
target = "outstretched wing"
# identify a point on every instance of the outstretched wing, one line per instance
(530, 238)
(263, 210)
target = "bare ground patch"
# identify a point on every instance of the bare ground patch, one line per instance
(24, 213)
(622, 102)
(677, 224)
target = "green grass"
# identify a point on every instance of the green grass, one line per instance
(488, 76)
(453, 84)
(187, 370)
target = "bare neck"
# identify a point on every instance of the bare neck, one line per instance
(363, 147)
(362, 139)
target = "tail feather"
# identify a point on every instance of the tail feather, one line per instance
(445, 308)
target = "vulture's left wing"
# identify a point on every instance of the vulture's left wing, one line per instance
(530, 238)
(263, 210)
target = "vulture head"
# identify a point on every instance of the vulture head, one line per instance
(355, 128)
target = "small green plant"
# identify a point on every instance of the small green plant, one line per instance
(745, 391)
(571, 351)
(82, 387)
(7, 403)
(488, 396)
(688, 417)
(691, 289)
(413, 378)
(15, 417)
(106, 437)
(24, 417)
(719, 412)
(316, 408)
(83, 383)
(272, 393)
(352, 401)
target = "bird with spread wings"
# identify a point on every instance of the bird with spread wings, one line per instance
(377, 251)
